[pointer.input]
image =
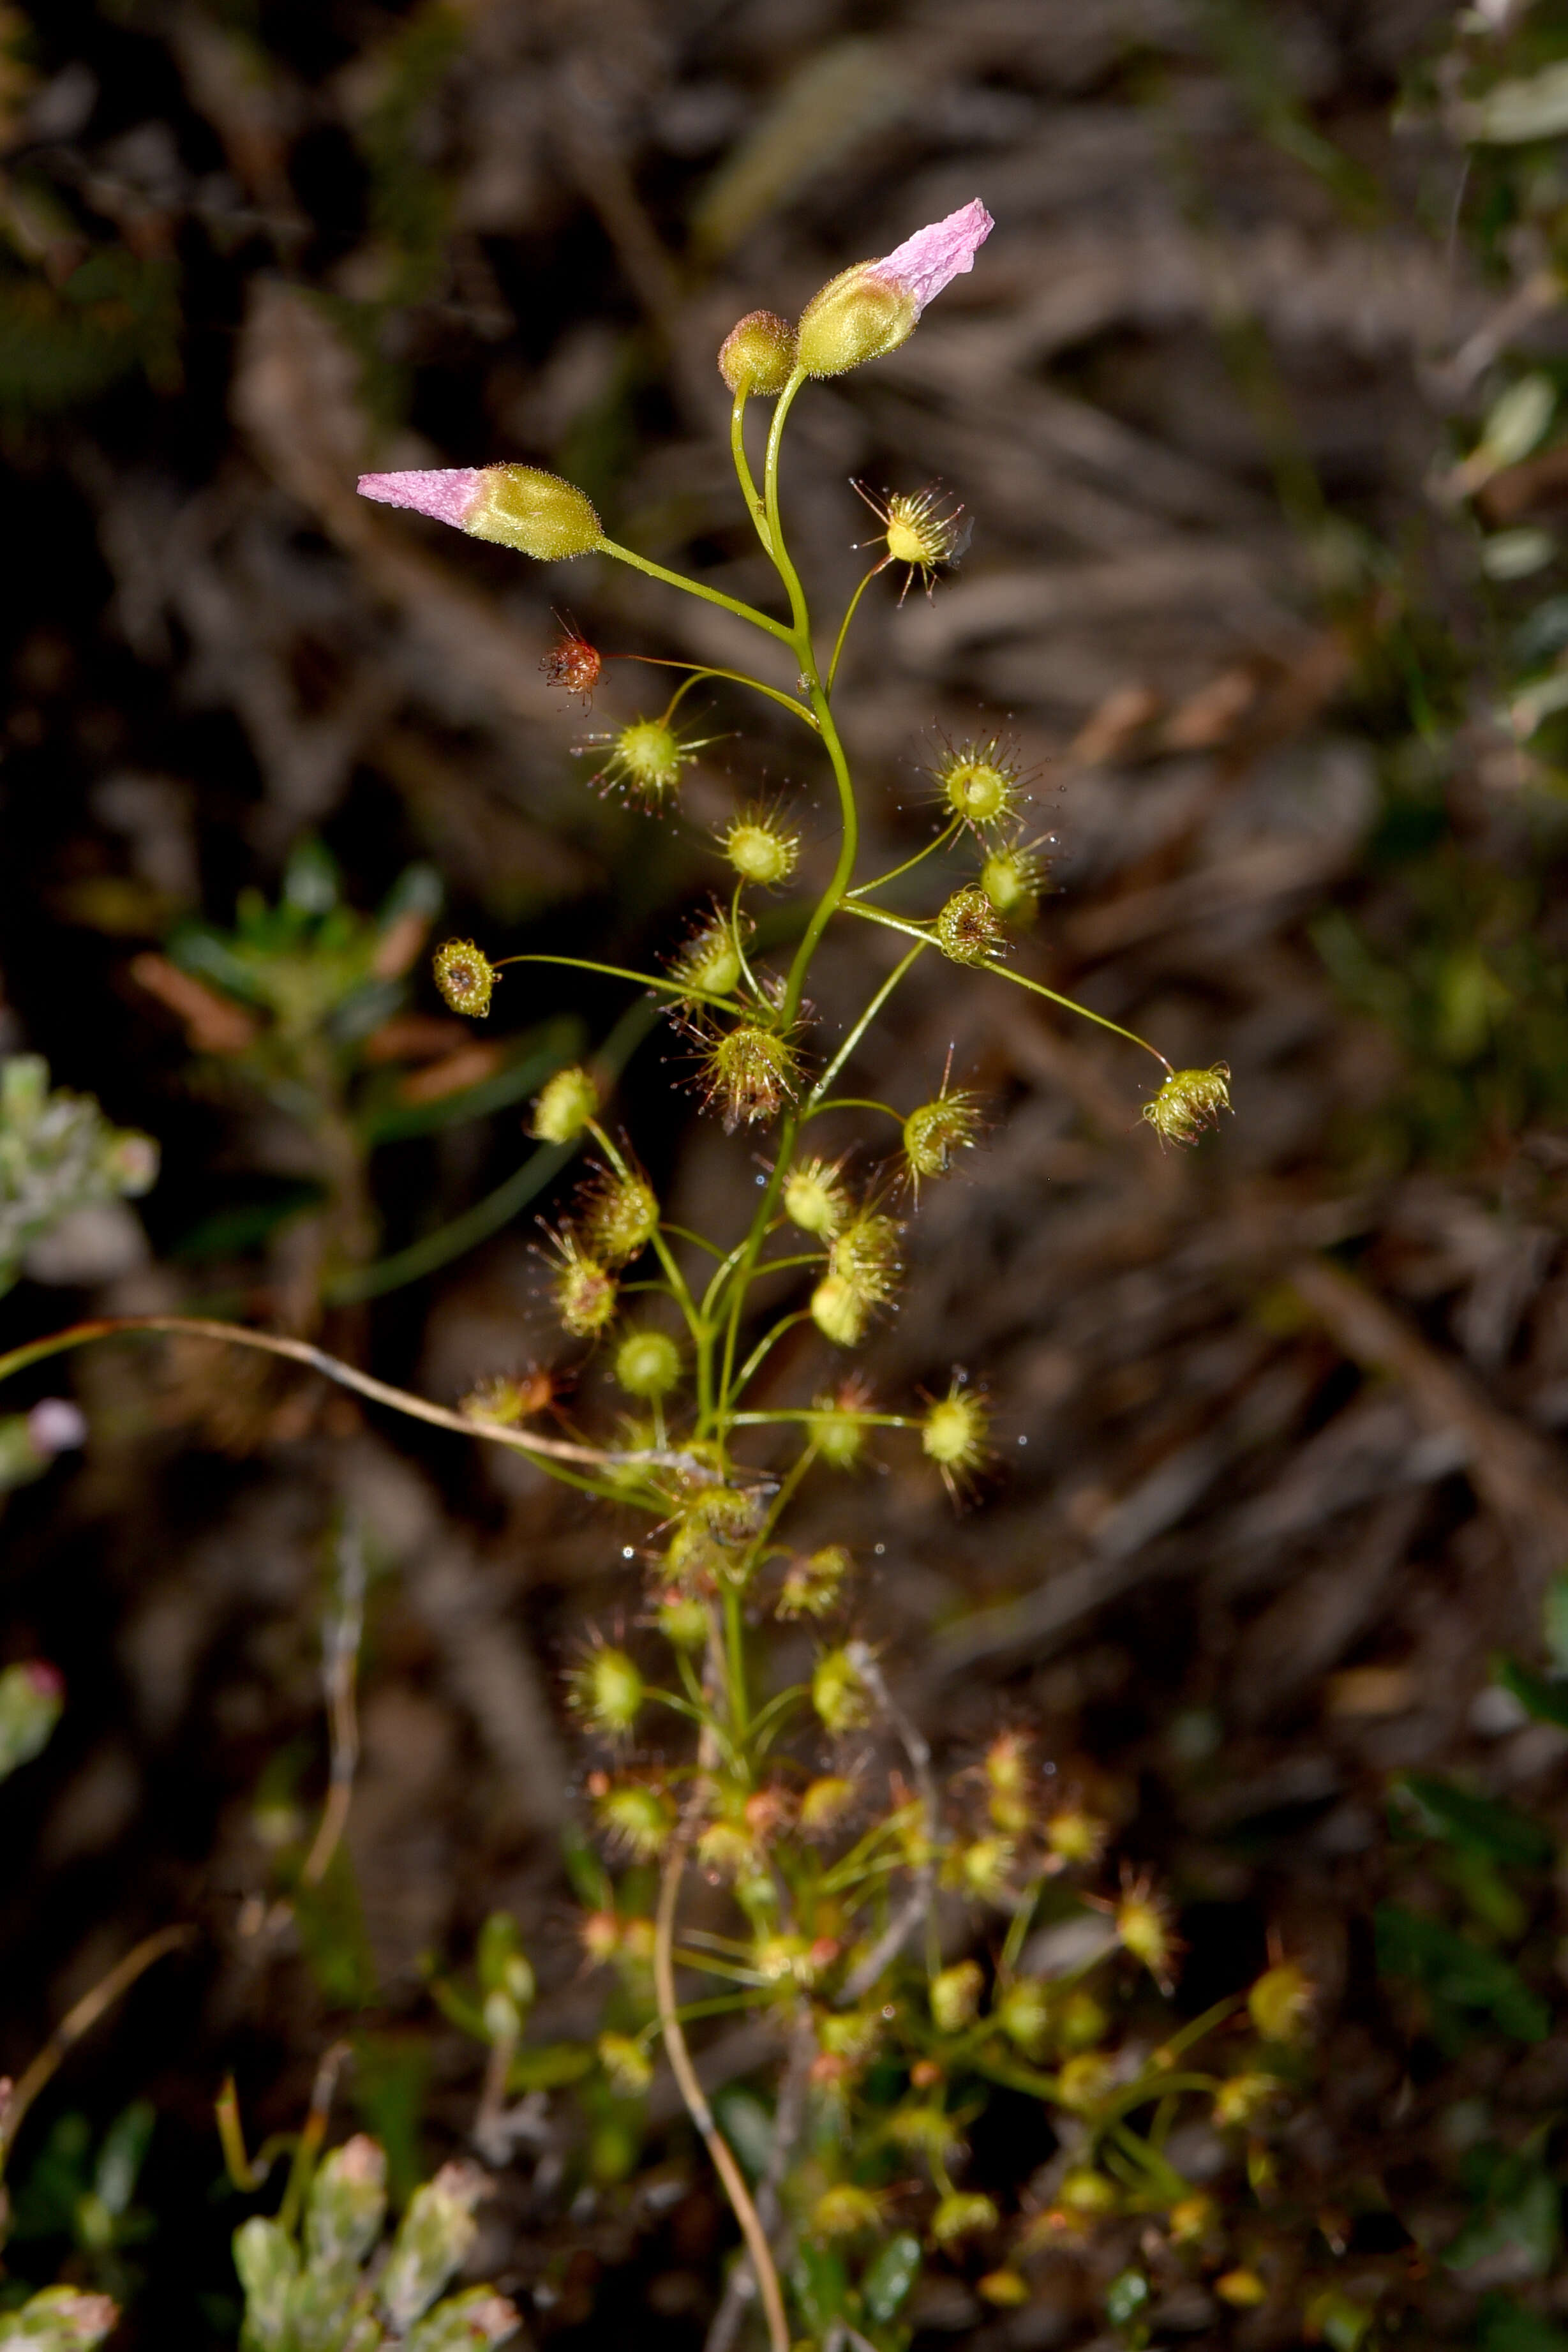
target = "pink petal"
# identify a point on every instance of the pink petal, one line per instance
(447, 492)
(934, 256)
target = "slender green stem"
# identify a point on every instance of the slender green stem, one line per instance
(810, 1413)
(755, 506)
(852, 1102)
(735, 1662)
(1000, 972)
(858, 1032)
(698, 588)
(673, 988)
(735, 676)
(844, 623)
(800, 634)
(698, 1241)
(553, 1454)
(765, 1348)
(938, 841)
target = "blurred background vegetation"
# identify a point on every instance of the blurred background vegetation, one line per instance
(1256, 402)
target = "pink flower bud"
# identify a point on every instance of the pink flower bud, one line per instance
(55, 1425)
(873, 306)
(516, 506)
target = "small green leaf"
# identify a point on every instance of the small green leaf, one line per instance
(747, 2126)
(549, 2066)
(1522, 2221)
(821, 2283)
(1546, 1700)
(1504, 2328)
(1554, 1620)
(887, 2283)
(1480, 1825)
(1125, 2297)
(1458, 1974)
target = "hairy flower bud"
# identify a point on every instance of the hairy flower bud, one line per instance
(935, 1130)
(963, 2214)
(1189, 1102)
(627, 2063)
(979, 783)
(1011, 878)
(757, 358)
(967, 929)
(954, 1434)
(1144, 1929)
(838, 1692)
(564, 1106)
(608, 1691)
(709, 963)
(749, 1074)
(838, 1311)
(1280, 2002)
(762, 850)
(645, 761)
(682, 1621)
(846, 2211)
(585, 1291)
(465, 977)
(812, 1584)
(619, 1216)
(638, 1818)
(825, 1803)
(816, 1198)
(874, 306)
(516, 506)
(955, 1995)
(1023, 2012)
(647, 1363)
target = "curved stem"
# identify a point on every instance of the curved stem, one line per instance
(79, 2020)
(852, 1102)
(697, 2104)
(1000, 972)
(814, 1099)
(849, 616)
(938, 841)
(800, 634)
(755, 506)
(735, 678)
(698, 588)
(301, 1351)
(671, 988)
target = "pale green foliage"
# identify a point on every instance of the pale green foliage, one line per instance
(57, 1153)
(322, 2291)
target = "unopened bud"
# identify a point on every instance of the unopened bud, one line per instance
(627, 2063)
(516, 506)
(608, 1692)
(757, 355)
(872, 308)
(955, 1996)
(963, 2214)
(565, 1106)
(647, 1363)
(812, 1582)
(838, 1692)
(1280, 2002)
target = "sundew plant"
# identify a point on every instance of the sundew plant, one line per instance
(770, 1803)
